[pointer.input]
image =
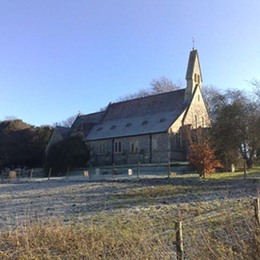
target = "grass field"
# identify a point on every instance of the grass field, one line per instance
(130, 218)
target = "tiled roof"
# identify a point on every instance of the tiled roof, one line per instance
(152, 114)
(84, 123)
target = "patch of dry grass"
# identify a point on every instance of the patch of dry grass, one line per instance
(225, 230)
(113, 238)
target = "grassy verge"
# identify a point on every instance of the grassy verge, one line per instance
(255, 172)
(109, 238)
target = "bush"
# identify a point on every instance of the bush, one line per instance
(203, 158)
(69, 153)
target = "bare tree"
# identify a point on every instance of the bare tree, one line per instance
(162, 85)
(214, 99)
(256, 85)
(67, 122)
(157, 86)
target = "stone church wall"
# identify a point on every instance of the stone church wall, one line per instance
(152, 148)
(197, 115)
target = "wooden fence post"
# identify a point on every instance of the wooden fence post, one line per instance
(245, 169)
(31, 174)
(138, 170)
(18, 171)
(49, 175)
(179, 241)
(169, 170)
(257, 211)
(67, 173)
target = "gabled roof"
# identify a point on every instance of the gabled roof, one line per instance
(152, 114)
(84, 123)
(93, 117)
(64, 131)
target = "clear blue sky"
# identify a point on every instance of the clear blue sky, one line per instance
(59, 57)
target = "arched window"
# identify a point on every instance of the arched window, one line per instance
(117, 147)
(202, 121)
(196, 121)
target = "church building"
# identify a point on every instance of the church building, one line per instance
(145, 130)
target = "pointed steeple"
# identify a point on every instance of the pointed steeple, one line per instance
(193, 75)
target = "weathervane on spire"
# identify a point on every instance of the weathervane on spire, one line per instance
(193, 43)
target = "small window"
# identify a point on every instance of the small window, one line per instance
(202, 121)
(196, 121)
(113, 127)
(134, 147)
(99, 129)
(195, 77)
(145, 122)
(199, 98)
(162, 120)
(128, 125)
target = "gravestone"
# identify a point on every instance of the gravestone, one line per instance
(97, 171)
(86, 174)
(12, 175)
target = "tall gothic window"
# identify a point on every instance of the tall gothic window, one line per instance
(202, 121)
(196, 121)
(134, 147)
(117, 147)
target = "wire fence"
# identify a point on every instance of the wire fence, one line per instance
(162, 170)
(229, 232)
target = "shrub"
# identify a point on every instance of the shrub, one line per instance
(69, 153)
(203, 158)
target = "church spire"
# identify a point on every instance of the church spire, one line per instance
(193, 75)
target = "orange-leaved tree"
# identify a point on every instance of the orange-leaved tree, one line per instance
(202, 156)
(201, 153)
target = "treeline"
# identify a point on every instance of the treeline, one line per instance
(22, 145)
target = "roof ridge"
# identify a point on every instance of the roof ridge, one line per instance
(90, 114)
(60, 126)
(148, 96)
